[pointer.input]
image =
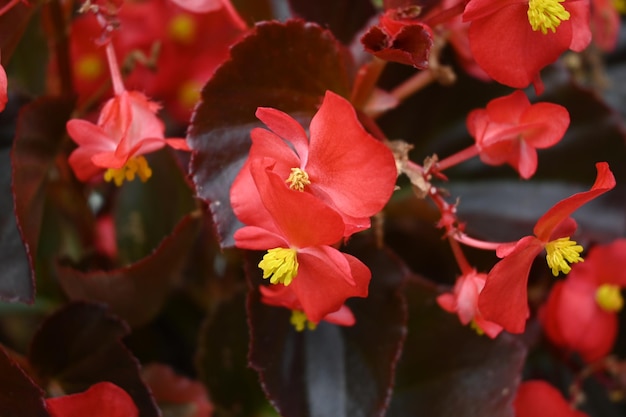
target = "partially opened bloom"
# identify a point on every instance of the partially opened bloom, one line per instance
(580, 314)
(283, 296)
(340, 165)
(510, 129)
(103, 399)
(127, 128)
(512, 40)
(464, 302)
(540, 399)
(298, 228)
(504, 298)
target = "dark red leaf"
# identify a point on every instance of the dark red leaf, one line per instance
(287, 66)
(343, 17)
(137, 292)
(333, 370)
(12, 26)
(19, 396)
(80, 345)
(448, 370)
(40, 130)
(223, 360)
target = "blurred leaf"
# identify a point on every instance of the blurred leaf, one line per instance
(333, 370)
(448, 370)
(145, 213)
(19, 396)
(12, 26)
(80, 345)
(40, 130)
(286, 66)
(223, 360)
(137, 292)
(344, 18)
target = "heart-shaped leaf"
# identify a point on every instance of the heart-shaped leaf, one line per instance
(287, 66)
(333, 370)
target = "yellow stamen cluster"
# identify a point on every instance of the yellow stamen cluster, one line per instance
(546, 14)
(182, 28)
(609, 298)
(299, 321)
(280, 265)
(89, 67)
(474, 326)
(620, 5)
(135, 166)
(298, 179)
(562, 252)
(189, 94)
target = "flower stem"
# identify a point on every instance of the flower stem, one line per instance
(457, 158)
(114, 68)
(475, 243)
(461, 260)
(365, 83)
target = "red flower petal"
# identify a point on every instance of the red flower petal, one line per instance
(504, 300)
(357, 172)
(540, 399)
(545, 226)
(103, 399)
(285, 127)
(326, 278)
(4, 98)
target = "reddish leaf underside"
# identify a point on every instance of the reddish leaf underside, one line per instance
(40, 130)
(293, 64)
(19, 396)
(351, 368)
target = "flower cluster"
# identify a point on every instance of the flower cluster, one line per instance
(300, 197)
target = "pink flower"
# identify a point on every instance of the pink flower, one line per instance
(340, 165)
(540, 399)
(298, 228)
(464, 302)
(580, 314)
(103, 399)
(127, 128)
(510, 130)
(504, 298)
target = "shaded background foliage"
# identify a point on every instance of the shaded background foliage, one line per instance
(197, 308)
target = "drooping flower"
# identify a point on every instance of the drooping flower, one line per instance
(510, 129)
(127, 128)
(341, 165)
(580, 314)
(513, 40)
(504, 298)
(283, 296)
(103, 399)
(539, 399)
(298, 228)
(464, 302)
(400, 37)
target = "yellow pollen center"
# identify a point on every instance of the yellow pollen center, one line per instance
(189, 94)
(620, 5)
(135, 166)
(89, 67)
(561, 253)
(298, 179)
(299, 321)
(474, 326)
(182, 28)
(609, 298)
(546, 14)
(280, 265)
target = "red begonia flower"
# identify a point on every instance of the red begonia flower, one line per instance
(504, 298)
(127, 128)
(605, 24)
(172, 390)
(580, 313)
(341, 165)
(540, 399)
(400, 37)
(103, 399)
(464, 301)
(510, 129)
(282, 296)
(512, 40)
(298, 228)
